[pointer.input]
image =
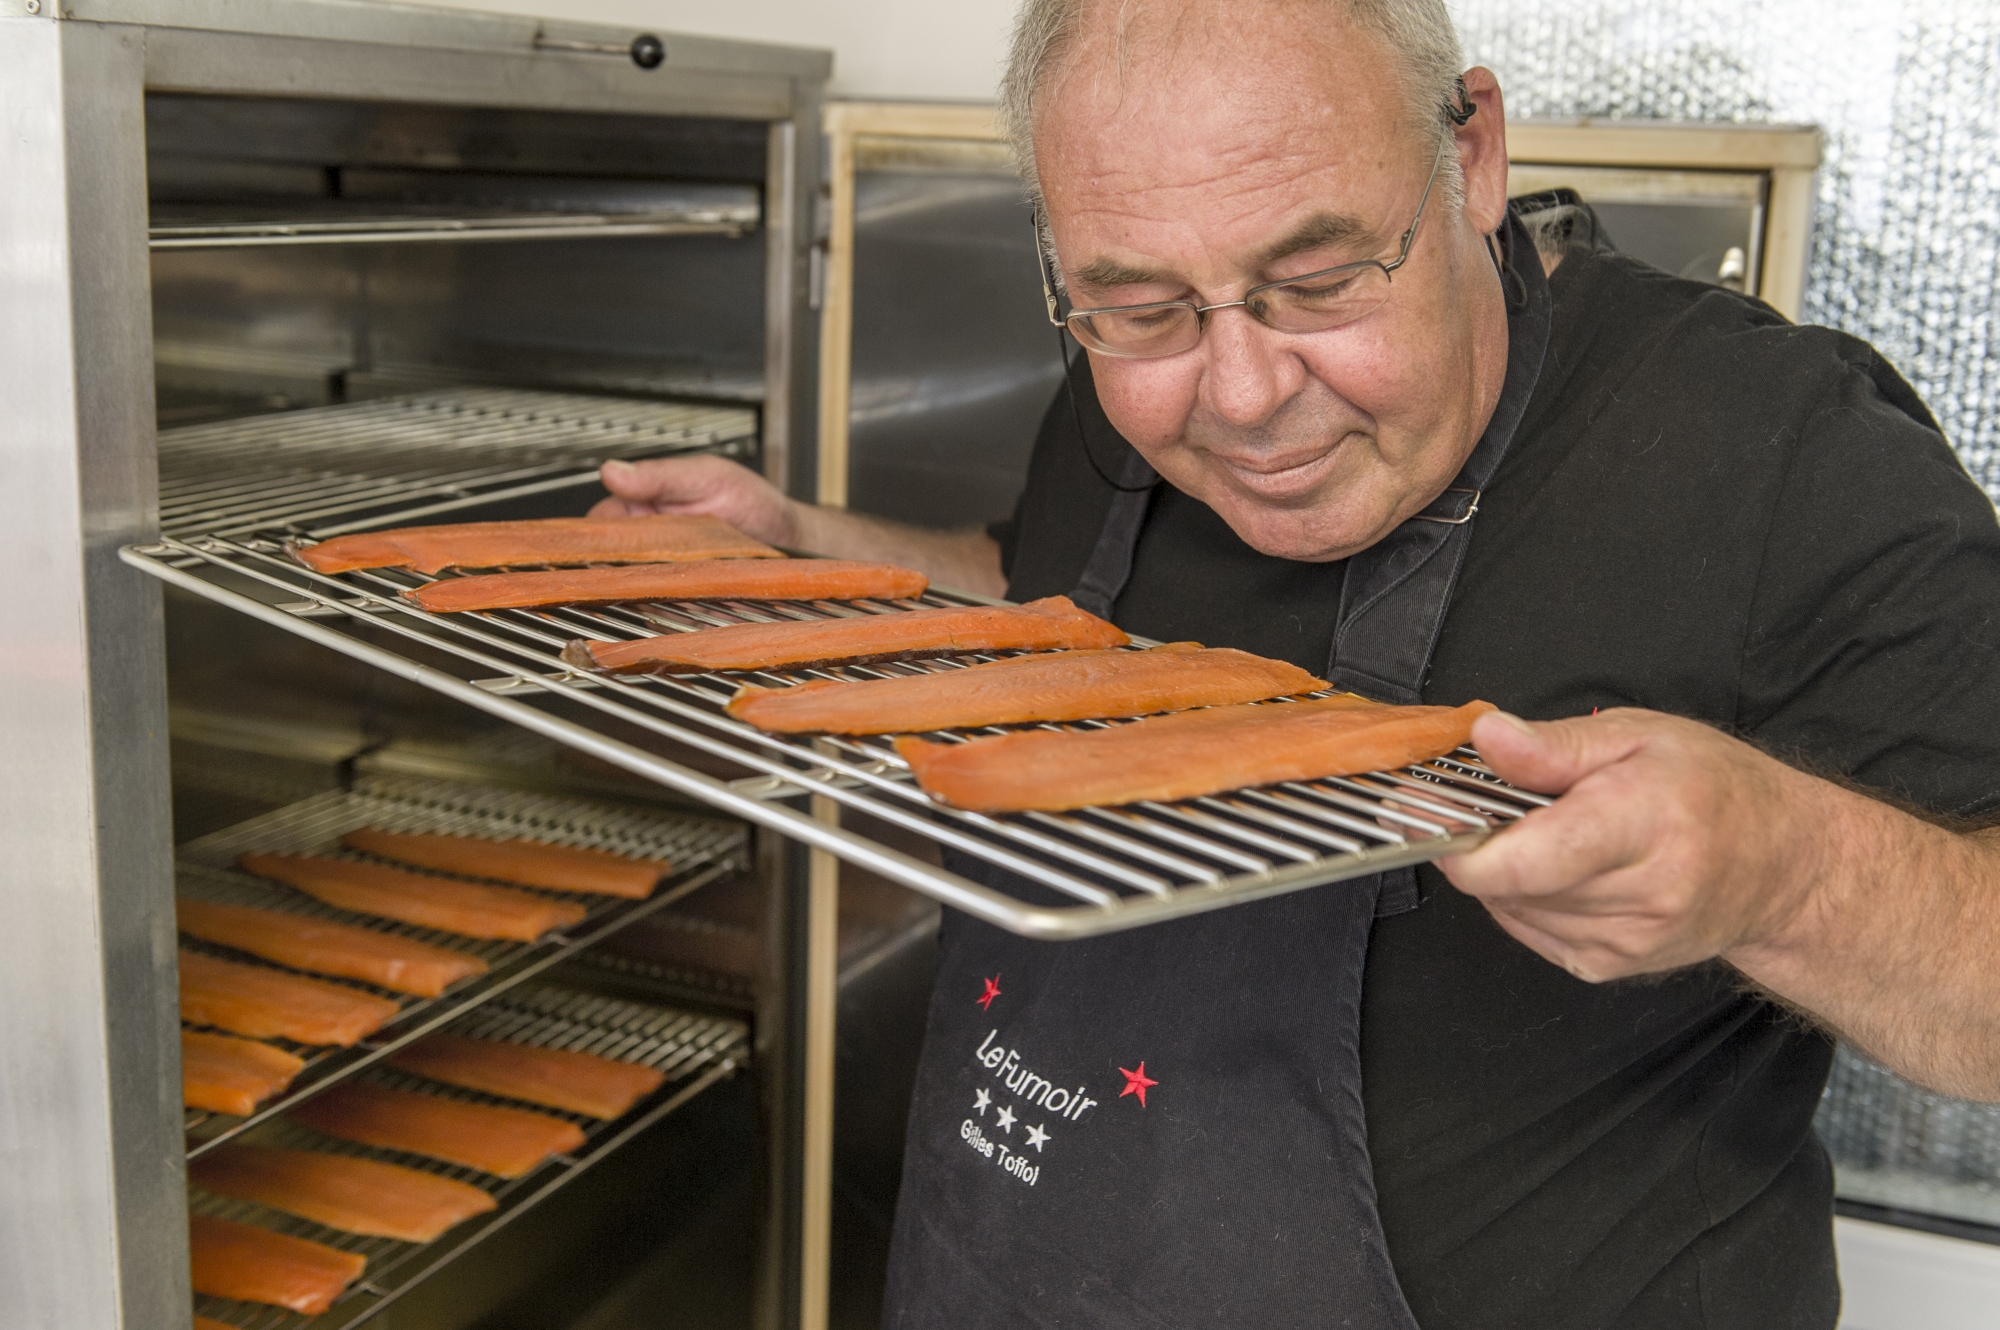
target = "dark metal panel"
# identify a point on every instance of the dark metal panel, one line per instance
(954, 359)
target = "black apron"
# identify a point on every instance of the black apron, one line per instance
(1164, 1127)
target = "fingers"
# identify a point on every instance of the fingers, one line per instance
(690, 486)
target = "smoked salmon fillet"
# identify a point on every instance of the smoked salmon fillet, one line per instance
(719, 579)
(250, 1264)
(432, 549)
(465, 908)
(223, 1074)
(531, 863)
(1053, 624)
(262, 1003)
(506, 1142)
(353, 1195)
(1186, 755)
(401, 964)
(1058, 686)
(584, 1083)
(204, 1323)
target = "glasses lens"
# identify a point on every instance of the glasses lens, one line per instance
(1324, 300)
(1143, 330)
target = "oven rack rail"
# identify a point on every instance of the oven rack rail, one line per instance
(702, 850)
(1090, 872)
(326, 470)
(695, 1051)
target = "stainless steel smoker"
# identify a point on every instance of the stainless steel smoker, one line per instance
(352, 260)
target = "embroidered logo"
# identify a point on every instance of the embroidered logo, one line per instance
(985, 1000)
(1136, 1082)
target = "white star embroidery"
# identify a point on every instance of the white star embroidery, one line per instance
(980, 1101)
(1006, 1119)
(1035, 1138)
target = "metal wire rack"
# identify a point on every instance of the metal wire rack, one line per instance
(694, 1051)
(701, 850)
(331, 469)
(1077, 874)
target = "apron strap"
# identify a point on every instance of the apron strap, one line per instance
(1394, 594)
(1110, 566)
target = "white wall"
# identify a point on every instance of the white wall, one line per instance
(945, 50)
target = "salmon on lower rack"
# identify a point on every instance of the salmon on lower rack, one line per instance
(431, 549)
(562, 1078)
(401, 964)
(719, 579)
(265, 1003)
(231, 1260)
(465, 908)
(1053, 624)
(1057, 686)
(223, 1074)
(209, 1323)
(505, 1142)
(529, 862)
(1185, 756)
(353, 1195)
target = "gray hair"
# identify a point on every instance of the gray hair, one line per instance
(1418, 32)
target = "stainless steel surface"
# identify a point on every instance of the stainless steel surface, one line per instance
(1112, 868)
(352, 467)
(693, 1051)
(91, 1227)
(701, 850)
(954, 363)
(383, 230)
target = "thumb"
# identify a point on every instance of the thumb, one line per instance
(623, 479)
(1550, 756)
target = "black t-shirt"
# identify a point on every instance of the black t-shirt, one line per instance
(1709, 512)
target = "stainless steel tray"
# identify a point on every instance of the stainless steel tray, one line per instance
(701, 849)
(1078, 874)
(694, 1051)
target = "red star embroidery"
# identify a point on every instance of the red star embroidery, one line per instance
(985, 1000)
(1136, 1082)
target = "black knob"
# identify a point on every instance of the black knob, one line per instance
(648, 51)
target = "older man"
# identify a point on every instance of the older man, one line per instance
(1335, 410)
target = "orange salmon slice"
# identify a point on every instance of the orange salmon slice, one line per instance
(597, 1087)
(432, 549)
(1187, 755)
(465, 908)
(528, 862)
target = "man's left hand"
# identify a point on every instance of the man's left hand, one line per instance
(1672, 843)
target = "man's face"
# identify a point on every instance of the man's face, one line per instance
(1193, 150)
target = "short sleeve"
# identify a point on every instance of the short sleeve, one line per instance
(1873, 648)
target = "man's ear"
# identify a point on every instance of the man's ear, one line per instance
(1482, 152)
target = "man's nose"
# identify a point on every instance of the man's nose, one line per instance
(1248, 374)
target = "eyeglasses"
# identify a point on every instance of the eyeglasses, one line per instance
(1316, 302)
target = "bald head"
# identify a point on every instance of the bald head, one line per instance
(1417, 40)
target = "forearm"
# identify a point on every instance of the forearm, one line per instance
(965, 560)
(1896, 944)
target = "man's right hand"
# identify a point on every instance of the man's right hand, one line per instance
(710, 486)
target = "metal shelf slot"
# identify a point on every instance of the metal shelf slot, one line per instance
(328, 470)
(1104, 869)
